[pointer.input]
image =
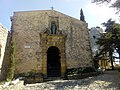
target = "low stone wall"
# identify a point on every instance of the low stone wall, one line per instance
(81, 76)
(30, 77)
(30, 80)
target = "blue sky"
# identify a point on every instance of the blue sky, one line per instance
(94, 15)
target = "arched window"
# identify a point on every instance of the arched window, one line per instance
(53, 27)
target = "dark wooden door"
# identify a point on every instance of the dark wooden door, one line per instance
(53, 62)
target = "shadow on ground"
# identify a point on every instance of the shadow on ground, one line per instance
(110, 79)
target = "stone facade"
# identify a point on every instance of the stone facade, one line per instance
(32, 36)
(3, 40)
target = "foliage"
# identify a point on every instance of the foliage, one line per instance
(111, 39)
(101, 1)
(80, 70)
(74, 70)
(28, 74)
(117, 67)
(115, 5)
(88, 70)
(96, 62)
(82, 15)
(108, 25)
(30, 77)
(11, 62)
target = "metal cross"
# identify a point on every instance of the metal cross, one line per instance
(52, 7)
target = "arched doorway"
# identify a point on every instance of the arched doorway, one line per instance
(53, 62)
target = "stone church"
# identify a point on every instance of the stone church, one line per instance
(49, 42)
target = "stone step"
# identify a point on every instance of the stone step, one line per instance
(52, 78)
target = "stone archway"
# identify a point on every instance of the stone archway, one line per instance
(49, 43)
(53, 62)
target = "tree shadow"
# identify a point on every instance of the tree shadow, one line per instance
(112, 79)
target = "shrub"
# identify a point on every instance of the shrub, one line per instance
(28, 74)
(117, 67)
(33, 77)
(80, 70)
(88, 70)
(74, 71)
(11, 62)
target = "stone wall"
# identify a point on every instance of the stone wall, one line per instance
(27, 27)
(3, 40)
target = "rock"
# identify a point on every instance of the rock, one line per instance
(15, 81)
(6, 84)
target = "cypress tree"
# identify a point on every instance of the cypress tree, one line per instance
(82, 18)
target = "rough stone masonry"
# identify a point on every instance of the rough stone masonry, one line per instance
(40, 34)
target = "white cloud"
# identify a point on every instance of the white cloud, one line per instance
(97, 14)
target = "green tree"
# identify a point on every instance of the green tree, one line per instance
(82, 18)
(108, 25)
(11, 62)
(110, 40)
(115, 5)
(106, 43)
(114, 31)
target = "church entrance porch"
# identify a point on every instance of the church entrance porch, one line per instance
(53, 62)
(53, 55)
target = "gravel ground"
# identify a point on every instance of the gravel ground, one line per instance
(108, 81)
